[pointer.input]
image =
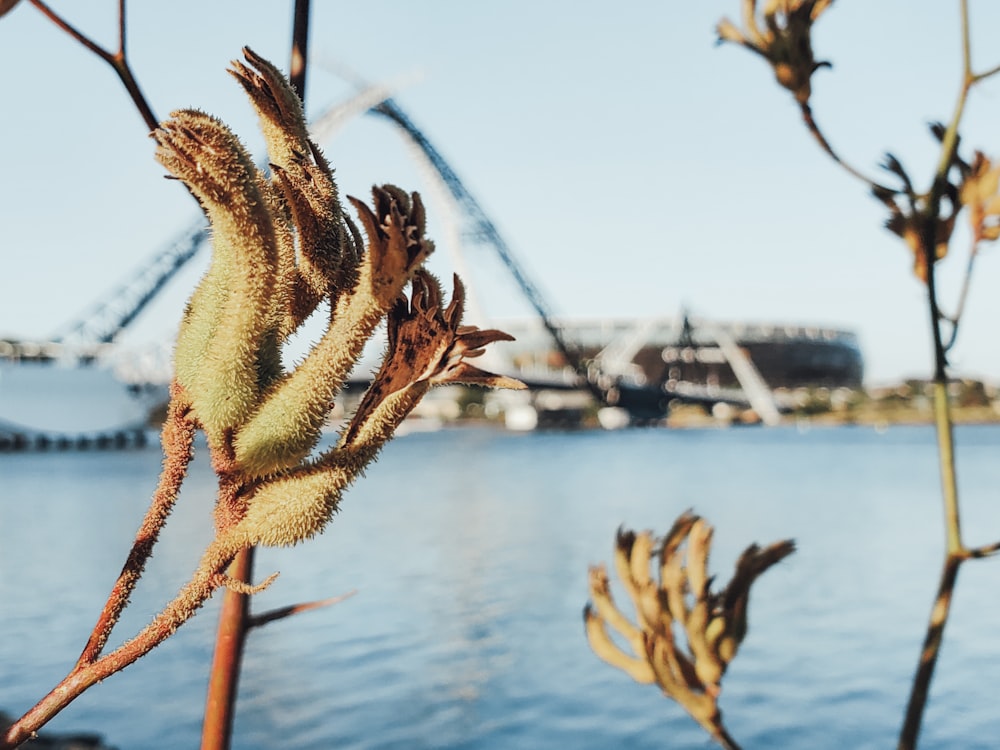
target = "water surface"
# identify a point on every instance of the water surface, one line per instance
(469, 550)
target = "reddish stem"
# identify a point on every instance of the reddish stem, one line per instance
(217, 729)
(83, 676)
(178, 440)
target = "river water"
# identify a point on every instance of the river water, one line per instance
(469, 552)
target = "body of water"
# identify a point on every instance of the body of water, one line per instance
(469, 551)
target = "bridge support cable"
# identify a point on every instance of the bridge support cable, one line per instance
(616, 358)
(483, 227)
(442, 197)
(754, 388)
(121, 307)
(103, 323)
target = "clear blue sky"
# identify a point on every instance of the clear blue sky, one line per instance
(634, 167)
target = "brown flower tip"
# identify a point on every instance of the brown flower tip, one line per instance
(431, 338)
(427, 345)
(277, 105)
(396, 242)
(784, 39)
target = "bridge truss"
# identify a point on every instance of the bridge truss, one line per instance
(602, 376)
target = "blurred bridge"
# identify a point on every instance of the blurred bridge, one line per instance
(629, 365)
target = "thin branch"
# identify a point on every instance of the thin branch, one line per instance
(986, 551)
(928, 655)
(963, 294)
(280, 613)
(956, 551)
(73, 32)
(300, 48)
(963, 10)
(121, 28)
(177, 439)
(132, 86)
(814, 129)
(116, 60)
(949, 146)
(987, 74)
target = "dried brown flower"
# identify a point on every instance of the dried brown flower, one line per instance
(910, 216)
(428, 346)
(784, 39)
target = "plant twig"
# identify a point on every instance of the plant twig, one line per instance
(300, 48)
(963, 295)
(987, 550)
(191, 597)
(813, 127)
(986, 74)
(281, 613)
(116, 60)
(928, 654)
(956, 552)
(177, 439)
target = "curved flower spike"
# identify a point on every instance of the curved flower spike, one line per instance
(327, 262)
(288, 423)
(785, 41)
(396, 245)
(219, 346)
(326, 253)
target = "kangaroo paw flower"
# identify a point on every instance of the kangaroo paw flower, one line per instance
(784, 40)
(713, 624)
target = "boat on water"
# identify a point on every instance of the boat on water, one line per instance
(58, 397)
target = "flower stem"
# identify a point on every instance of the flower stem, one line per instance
(956, 553)
(813, 127)
(116, 60)
(929, 654)
(230, 639)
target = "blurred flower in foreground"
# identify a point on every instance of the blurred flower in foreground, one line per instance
(910, 215)
(784, 41)
(979, 192)
(712, 623)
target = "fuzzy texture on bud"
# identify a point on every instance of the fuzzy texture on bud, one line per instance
(282, 245)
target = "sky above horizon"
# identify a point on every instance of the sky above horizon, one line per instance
(634, 167)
